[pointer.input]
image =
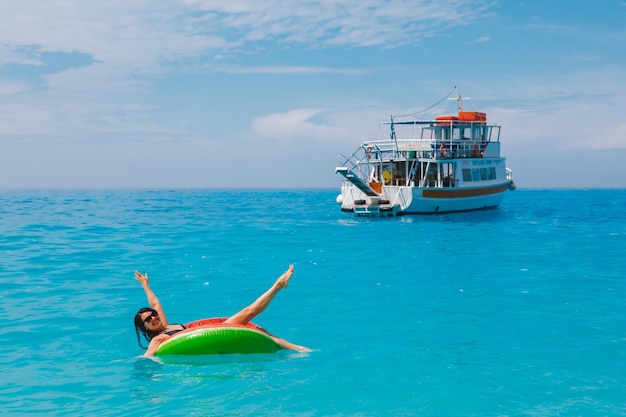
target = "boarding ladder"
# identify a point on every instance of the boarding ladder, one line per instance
(358, 182)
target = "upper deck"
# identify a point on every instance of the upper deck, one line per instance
(447, 137)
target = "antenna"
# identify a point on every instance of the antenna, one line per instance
(458, 98)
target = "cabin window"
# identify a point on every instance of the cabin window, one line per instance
(479, 174)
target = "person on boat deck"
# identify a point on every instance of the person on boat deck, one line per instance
(442, 151)
(475, 151)
(156, 329)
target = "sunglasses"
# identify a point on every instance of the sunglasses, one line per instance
(149, 318)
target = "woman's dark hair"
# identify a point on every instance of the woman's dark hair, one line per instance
(141, 328)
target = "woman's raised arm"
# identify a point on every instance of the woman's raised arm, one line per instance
(152, 298)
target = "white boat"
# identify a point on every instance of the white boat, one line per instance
(449, 164)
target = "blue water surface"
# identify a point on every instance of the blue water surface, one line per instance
(516, 311)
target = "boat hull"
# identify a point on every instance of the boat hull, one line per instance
(402, 200)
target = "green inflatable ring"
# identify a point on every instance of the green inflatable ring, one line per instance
(218, 339)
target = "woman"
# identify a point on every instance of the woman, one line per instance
(154, 326)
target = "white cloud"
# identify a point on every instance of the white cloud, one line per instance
(295, 125)
(132, 43)
(149, 73)
(142, 37)
(347, 22)
(556, 111)
(286, 69)
(9, 87)
(482, 39)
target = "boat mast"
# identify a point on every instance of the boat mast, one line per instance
(392, 136)
(459, 99)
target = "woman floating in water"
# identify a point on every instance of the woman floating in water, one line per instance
(152, 322)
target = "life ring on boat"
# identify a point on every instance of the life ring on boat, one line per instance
(213, 336)
(387, 177)
(368, 150)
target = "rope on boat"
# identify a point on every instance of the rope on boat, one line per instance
(427, 108)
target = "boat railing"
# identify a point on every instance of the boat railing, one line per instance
(430, 149)
(399, 148)
(454, 148)
(424, 149)
(454, 129)
(370, 151)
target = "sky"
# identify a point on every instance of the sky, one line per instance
(267, 94)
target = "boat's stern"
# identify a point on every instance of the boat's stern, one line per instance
(355, 201)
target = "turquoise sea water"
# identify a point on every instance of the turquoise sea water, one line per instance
(517, 311)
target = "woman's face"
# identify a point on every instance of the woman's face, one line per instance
(152, 321)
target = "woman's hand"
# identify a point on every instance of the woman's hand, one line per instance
(143, 279)
(152, 298)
